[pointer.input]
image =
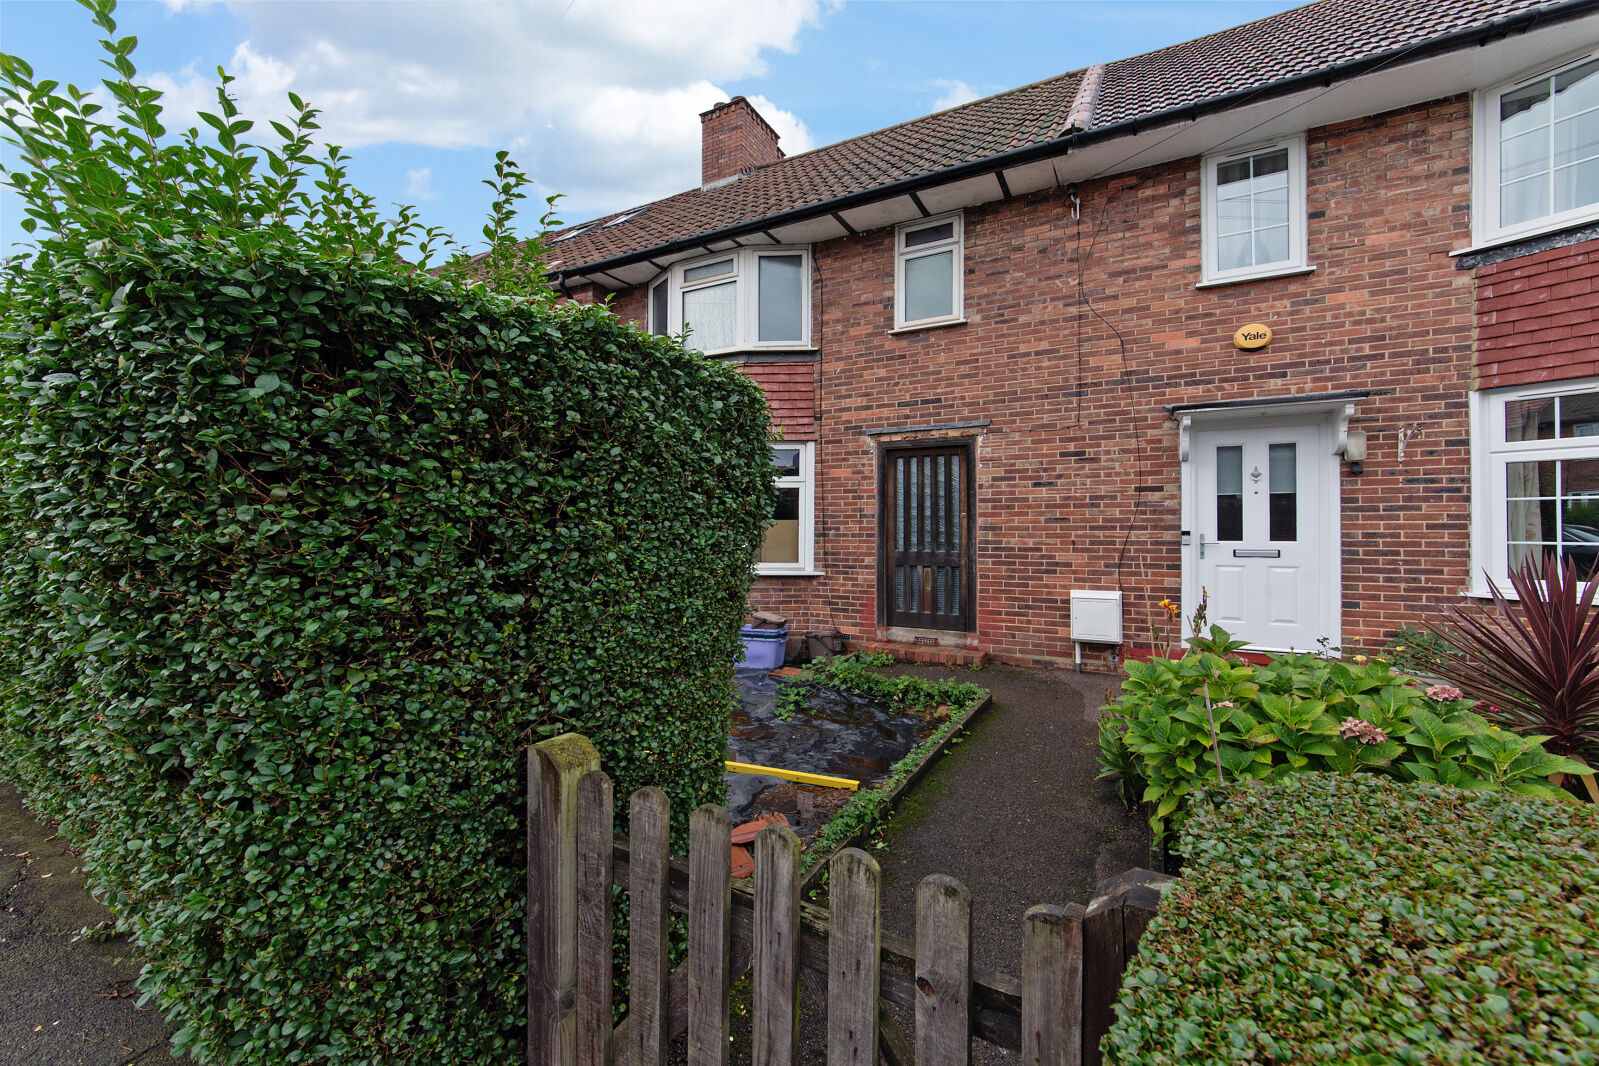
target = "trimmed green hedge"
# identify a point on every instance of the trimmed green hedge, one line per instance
(1351, 919)
(299, 556)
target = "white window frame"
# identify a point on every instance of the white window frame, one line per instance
(1486, 228)
(805, 481)
(1490, 454)
(746, 271)
(657, 324)
(902, 255)
(1298, 259)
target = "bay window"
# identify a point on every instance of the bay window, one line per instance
(740, 300)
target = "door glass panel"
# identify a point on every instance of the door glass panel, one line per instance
(1230, 492)
(957, 527)
(899, 520)
(1284, 492)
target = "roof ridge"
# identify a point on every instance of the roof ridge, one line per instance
(920, 118)
(1081, 115)
(1220, 70)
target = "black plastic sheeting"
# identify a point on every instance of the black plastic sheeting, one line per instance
(839, 733)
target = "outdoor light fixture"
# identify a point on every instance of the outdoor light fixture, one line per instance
(1355, 451)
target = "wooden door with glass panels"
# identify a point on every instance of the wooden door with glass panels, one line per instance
(925, 554)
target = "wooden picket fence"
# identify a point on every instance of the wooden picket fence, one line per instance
(1072, 958)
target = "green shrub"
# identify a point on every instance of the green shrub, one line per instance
(1333, 919)
(862, 673)
(1296, 714)
(301, 548)
(299, 557)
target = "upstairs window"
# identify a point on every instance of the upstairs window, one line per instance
(736, 301)
(928, 273)
(1253, 221)
(1538, 152)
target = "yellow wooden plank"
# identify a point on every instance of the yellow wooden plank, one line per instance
(793, 775)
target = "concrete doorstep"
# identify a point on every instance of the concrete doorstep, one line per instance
(64, 1000)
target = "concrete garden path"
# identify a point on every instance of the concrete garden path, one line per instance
(1014, 811)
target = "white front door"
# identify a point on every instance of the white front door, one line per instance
(1263, 531)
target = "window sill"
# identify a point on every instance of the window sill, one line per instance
(769, 349)
(1284, 272)
(1548, 229)
(920, 326)
(789, 573)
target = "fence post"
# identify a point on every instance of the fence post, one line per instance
(554, 768)
(854, 959)
(596, 835)
(648, 887)
(775, 1021)
(1111, 929)
(1052, 986)
(943, 972)
(710, 933)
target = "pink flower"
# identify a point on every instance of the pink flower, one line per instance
(1363, 731)
(1443, 693)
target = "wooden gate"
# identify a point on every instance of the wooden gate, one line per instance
(925, 536)
(1072, 959)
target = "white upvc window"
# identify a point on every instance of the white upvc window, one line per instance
(660, 306)
(1252, 222)
(1535, 479)
(789, 547)
(748, 298)
(1536, 152)
(929, 272)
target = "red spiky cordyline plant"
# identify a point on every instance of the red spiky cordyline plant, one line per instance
(1536, 658)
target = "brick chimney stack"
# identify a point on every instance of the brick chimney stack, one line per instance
(734, 139)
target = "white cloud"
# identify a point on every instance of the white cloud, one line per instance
(420, 184)
(598, 101)
(956, 93)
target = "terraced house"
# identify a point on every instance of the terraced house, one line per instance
(1301, 314)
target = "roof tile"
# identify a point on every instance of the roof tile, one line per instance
(1300, 41)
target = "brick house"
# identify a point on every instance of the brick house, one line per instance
(1006, 344)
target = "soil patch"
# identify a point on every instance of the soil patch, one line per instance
(839, 733)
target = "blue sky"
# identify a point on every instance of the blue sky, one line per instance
(597, 99)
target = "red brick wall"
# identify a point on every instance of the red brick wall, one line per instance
(734, 138)
(1538, 317)
(1078, 476)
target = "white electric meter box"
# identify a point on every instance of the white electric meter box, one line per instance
(1096, 617)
